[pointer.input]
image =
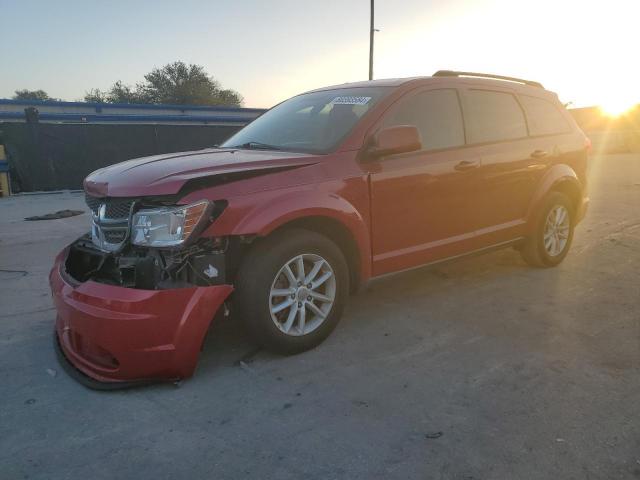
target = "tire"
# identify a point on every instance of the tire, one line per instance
(263, 273)
(542, 250)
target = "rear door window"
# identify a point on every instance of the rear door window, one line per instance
(544, 117)
(493, 116)
(435, 113)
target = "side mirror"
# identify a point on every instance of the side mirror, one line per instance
(392, 140)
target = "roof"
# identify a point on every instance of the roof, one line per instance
(450, 80)
(383, 82)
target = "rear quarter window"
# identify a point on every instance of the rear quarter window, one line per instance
(544, 117)
(493, 116)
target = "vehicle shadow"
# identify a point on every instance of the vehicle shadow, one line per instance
(394, 296)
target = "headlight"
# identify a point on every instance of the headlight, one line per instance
(167, 226)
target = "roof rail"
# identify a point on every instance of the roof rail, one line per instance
(453, 73)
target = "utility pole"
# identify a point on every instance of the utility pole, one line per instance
(371, 33)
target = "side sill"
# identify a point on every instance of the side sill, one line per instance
(473, 253)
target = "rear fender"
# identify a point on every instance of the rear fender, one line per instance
(557, 175)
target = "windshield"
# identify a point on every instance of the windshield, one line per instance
(312, 122)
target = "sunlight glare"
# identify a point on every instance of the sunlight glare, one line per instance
(615, 107)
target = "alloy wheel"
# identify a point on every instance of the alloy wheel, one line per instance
(302, 294)
(556, 230)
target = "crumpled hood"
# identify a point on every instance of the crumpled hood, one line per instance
(167, 174)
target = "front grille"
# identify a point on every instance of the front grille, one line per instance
(115, 207)
(93, 203)
(119, 208)
(110, 221)
(114, 236)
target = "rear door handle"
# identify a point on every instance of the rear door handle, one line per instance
(538, 154)
(467, 165)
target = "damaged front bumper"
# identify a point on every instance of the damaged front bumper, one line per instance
(118, 336)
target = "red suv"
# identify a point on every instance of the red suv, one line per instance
(304, 205)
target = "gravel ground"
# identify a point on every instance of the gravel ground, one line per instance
(482, 369)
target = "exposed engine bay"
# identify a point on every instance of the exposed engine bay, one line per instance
(109, 255)
(203, 263)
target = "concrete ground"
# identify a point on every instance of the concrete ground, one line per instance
(482, 369)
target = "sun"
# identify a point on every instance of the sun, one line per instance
(614, 107)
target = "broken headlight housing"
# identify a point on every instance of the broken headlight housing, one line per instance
(168, 226)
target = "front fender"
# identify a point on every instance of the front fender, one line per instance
(261, 214)
(557, 174)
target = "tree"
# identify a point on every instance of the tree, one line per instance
(95, 95)
(118, 93)
(175, 83)
(230, 97)
(121, 93)
(184, 84)
(25, 94)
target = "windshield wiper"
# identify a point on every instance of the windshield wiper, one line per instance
(257, 146)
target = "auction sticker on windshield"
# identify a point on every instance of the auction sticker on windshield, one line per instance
(350, 101)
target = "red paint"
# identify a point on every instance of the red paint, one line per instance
(150, 334)
(401, 211)
(165, 174)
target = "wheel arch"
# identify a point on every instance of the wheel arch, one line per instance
(339, 234)
(569, 188)
(560, 178)
(328, 214)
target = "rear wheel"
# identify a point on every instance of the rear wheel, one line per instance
(291, 289)
(551, 239)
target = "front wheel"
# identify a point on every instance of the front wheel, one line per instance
(549, 244)
(291, 289)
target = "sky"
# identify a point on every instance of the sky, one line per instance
(269, 50)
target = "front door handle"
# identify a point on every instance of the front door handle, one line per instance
(467, 165)
(538, 154)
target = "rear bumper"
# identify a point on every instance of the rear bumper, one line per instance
(119, 336)
(582, 209)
